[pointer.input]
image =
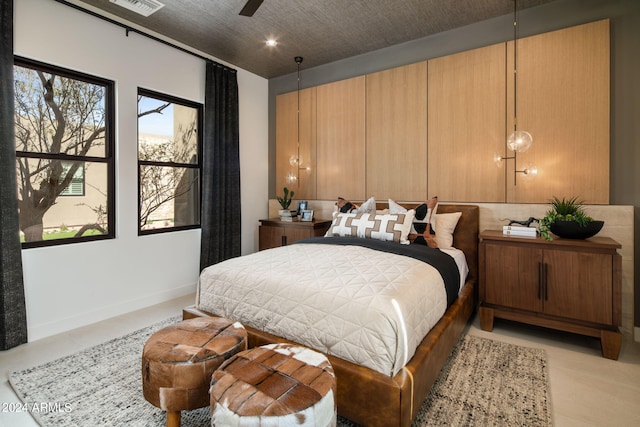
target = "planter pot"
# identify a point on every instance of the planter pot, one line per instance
(573, 230)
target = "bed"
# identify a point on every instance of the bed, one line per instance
(385, 392)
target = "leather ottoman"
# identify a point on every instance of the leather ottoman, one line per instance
(178, 361)
(274, 385)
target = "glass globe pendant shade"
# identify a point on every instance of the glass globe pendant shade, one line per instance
(295, 160)
(530, 171)
(291, 178)
(519, 141)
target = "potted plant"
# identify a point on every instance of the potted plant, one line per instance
(285, 202)
(567, 219)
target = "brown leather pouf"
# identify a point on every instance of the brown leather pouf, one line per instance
(178, 361)
(274, 385)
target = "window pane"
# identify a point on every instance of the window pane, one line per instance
(60, 115)
(43, 180)
(64, 125)
(167, 132)
(169, 197)
(169, 146)
(76, 185)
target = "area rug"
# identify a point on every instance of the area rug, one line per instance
(484, 382)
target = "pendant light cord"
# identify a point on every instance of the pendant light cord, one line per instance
(298, 60)
(515, 65)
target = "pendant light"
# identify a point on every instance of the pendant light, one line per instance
(518, 141)
(296, 159)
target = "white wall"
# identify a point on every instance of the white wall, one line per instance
(73, 285)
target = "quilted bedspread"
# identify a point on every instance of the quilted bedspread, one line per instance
(365, 306)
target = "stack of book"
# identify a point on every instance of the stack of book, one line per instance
(516, 230)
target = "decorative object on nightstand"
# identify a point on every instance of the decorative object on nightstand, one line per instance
(302, 206)
(285, 202)
(521, 228)
(306, 215)
(568, 219)
(566, 284)
(519, 231)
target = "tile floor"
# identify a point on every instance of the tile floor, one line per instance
(586, 389)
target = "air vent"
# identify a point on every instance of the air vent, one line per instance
(143, 7)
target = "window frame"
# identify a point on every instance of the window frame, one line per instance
(109, 149)
(199, 107)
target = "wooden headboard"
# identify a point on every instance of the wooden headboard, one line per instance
(465, 236)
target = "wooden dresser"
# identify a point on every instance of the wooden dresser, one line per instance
(274, 233)
(565, 284)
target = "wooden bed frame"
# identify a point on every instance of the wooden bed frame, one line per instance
(370, 398)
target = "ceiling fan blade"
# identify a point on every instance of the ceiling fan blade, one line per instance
(250, 8)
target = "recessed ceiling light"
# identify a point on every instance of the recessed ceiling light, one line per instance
(272, 43)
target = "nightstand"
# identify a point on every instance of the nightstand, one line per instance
(274, 233)
(565, 284)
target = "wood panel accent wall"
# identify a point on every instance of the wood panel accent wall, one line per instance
(287, 141)
(563, 101)
(467, 125)
(340, 143)
(368, 128)
(396, 143)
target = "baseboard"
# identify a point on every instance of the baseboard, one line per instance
(636, 333)
(98, 314)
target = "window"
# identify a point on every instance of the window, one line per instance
(64, 147)
(76, 186)
(169, 162)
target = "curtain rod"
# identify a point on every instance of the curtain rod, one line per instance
(129, 29)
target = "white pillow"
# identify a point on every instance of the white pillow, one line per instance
(389, 227)
(368, 207)
(444, 226)
(396, 208)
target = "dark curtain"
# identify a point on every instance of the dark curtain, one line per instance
(13, 316)
(220, 218)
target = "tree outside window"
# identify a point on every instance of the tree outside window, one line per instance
(63, 136)
(169, 147)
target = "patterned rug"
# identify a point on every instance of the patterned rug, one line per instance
(484, 382)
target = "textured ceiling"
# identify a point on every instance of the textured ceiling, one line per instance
(321, 31)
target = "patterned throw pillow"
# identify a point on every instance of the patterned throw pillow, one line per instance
(389, 227)
(425, 213)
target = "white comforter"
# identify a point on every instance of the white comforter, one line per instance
(368, 307)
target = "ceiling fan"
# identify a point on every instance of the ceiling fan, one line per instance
(250, 8)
